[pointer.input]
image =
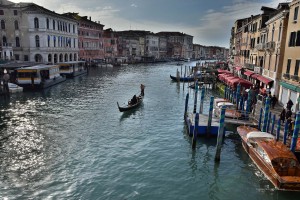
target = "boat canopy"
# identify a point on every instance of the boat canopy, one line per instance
(258, 134)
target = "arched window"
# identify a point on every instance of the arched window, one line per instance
(47, 23)
(16, 25)
(75, 57)
(37, 41)
(2, 24)
(66, 57)
(280, 30)
(55, 58)
(53, 24)
(50, 58)
(54, 41)
(48, 40)
(61, 58)
(4, 40)
(17, 42)
(36, 22)
(70, 57)
(69, 28)
(73, 28)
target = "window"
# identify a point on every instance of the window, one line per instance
(2, 24)
(36, 22)
(297, 67)
(47, 23)
(17, 57)
(4, 40)
(48, 40)
(298, 38)
(16, 25)
(1, 12)
(292, 39)
(17, 42)
(288, 67)
(279, 32)
(26, 58)
(296, 13)
(37, 41)
(53, 24)
(15, 12)
(54, 41)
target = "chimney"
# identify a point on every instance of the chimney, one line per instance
(90, 18)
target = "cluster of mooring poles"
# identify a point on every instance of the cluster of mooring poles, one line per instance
(205, 129)
(265, 125)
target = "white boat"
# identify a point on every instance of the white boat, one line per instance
(39, 76)
(13, 88)
(72, 68)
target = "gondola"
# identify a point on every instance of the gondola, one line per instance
(131, 107)
(182, 79)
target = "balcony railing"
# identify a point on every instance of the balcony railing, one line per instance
(270, 46)
(286, 76)
(295, 77)
(260, 47)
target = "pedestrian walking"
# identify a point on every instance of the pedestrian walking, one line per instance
(289, 104)
(288, 114)
(282, 115)
(273, 101)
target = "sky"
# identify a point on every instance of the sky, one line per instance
(209, 21)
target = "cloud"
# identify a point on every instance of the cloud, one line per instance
(134, 5)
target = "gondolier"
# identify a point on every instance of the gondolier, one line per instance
(142, 90)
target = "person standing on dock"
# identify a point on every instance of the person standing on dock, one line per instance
(282, 115)
(273, 101)
(289, 104)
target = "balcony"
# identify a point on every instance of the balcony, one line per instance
(286, 76)
(260, 47)
(270, 46)
(295, 78)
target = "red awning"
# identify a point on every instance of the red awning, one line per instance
(248, 73)
(221, 71)
(238, 68)
(244, 83)
(263, 79)
(254, 75)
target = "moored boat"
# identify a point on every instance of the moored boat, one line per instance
(38, 76)
(272, 157)
(183, 79)
(72, 68)
(230, 112)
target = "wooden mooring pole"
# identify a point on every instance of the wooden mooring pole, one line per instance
(220, 134)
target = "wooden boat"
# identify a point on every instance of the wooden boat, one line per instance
(131, 106)
(272, 157)
(230, 111)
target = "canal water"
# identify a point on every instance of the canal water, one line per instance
(71, 142)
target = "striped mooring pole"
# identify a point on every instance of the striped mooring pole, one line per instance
(195, 99)
(285, 133)
(260, 118)
(269, 121)
(202, 99)
(273, 123)
(278, 129)
(195, 133)
(211, 106)
(225, 92)
(248, 103)
(295, 133)
(238, 93)
(266, 114)
(186, 105)
(220, 134)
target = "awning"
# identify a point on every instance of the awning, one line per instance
(238, 68)
(254, 75)
(248, 73)
(264, 79)
(289, 86)
(220, 71)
